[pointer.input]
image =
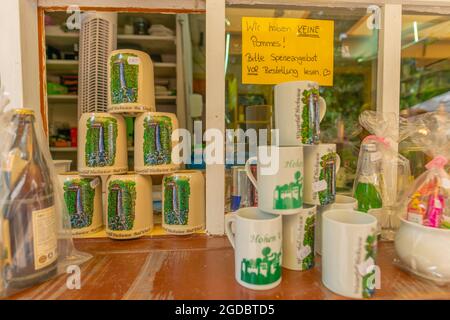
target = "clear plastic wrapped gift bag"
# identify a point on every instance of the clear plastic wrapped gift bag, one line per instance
(382, 174)
(423, 240)
(35, 237)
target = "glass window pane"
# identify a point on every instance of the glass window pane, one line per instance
(425, 72)
(353, 89)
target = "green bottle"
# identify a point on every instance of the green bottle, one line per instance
(366, 188)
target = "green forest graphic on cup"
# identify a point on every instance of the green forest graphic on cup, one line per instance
(308, 241)
(371, 253)
(79, 198)
(157, 140)
(289, 195)
(101, 136)
(328, 173)
(124, 79)
(265, 270)
(177, 191)
(121, 204)
(308, 115)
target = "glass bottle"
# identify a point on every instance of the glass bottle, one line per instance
(367, 185)
(29, 222)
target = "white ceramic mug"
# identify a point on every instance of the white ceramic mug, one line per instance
(349, 253)
(129, 212)
(83, 199)
(340, 202)
(183, 202)
(321, 164)
(298, 112)
(153, 143)
(298, 239)
(131, 86)
(257, 243)
(280, 190)
(102, 147)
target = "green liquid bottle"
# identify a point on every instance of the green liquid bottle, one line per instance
(366, 188)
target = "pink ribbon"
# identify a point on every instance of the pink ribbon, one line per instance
(438, 162)
(377, 139)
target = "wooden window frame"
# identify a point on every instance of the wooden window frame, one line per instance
(25, 92)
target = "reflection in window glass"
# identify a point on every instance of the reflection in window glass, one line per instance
(354, 88)
(425, 72)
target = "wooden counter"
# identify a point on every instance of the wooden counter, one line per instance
(201, 267)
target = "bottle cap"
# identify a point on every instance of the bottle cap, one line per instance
(24, 111)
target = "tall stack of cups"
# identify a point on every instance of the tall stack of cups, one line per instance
(103, 153)
(295, 181)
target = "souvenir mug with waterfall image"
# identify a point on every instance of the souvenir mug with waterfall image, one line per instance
(279, 180)
(298, 239)
(183, 202)
(256, 237)
(83, 199)
(131, 86)
(153, 143)
(102, 144)
(298, 112)
(349, 252)
(129, 212)
(323, 163)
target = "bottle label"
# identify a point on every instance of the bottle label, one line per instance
(415, 217)
(44, 237)
(375, 156)
(319, 185)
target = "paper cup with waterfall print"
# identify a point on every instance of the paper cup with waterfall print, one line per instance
(298, 112)
(340, 202)
(279, 178)
(83, 199)
(153, 143)
(102, 144)
(131, 86)
(183, 201)
(129, 212)
(321, 166)
(349, 253)
(298, 239)
(256, 237)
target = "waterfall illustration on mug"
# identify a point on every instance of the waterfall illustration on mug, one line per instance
(328, 174)
(124, 78)
(79, 199)
(289, 195)
(263, 270)
(310, 128)
(176, 200)
(101, 136)
(121, 204)
(157, 140)
(369, 260)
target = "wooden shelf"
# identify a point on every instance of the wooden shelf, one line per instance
(165, 69)
(62, 97)
(62, 66)
(63, 149)
(156, 44)
(165, 97)
(59, 38)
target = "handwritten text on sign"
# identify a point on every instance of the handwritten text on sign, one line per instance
(276, 50)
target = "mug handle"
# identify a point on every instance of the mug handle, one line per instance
(322, 107)
(249, 173)
(230, 218)
(338, 162)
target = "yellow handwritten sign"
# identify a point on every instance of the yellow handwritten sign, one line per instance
(277, 50)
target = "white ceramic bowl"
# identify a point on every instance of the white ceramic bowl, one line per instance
(424, 250)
